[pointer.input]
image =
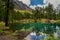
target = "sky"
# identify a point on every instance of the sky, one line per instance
(40, 3)
(36, 2)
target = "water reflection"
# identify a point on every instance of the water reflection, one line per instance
(33, 36)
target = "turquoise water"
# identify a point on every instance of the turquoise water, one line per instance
(46, 28)
(42, 27)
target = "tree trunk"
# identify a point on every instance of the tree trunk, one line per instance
(7, 13)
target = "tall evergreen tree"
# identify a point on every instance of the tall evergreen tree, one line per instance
(49, 11)
(8, 8)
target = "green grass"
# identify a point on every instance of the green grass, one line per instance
(1, 24)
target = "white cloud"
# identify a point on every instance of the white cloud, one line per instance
(54, 2)
(27, 2)
(33, 7)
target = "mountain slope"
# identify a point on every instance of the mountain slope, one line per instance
(20, 6)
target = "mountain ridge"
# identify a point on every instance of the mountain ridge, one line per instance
(19, 5)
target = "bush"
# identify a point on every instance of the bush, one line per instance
(1, 32)
(16, 26)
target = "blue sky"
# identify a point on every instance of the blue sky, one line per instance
(36, 2)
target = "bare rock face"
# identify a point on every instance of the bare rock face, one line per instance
(21, 35)
(19, 5)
